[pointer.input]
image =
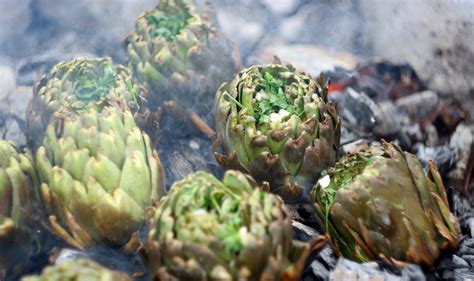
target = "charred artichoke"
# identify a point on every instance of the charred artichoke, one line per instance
(206, 229)
(78, 270)
(18, 199)
(78, 85)
(379, 204)
(98, 173)
(179, 55)
(277, 125)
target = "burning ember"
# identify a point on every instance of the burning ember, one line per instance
(215, 145)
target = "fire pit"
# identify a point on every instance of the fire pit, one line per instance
(248, 140)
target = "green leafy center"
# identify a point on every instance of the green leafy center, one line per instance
(343, 173)
(167, 23)
(204, 213)
(273, 99)
(94, 83)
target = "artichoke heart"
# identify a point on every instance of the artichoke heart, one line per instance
(206, 229)
(179, 55)
(98, 173)
(18, 202)
(78, 85)
(379, 204)
(276, 124)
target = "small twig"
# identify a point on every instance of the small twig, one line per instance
(318, 242)
(201, 125)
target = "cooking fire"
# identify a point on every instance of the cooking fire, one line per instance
(236, 140)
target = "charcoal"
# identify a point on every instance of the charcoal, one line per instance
(361, 113)
(453, 262)
(367, 119)
(466, 247)
(185, 156)
(449, 115)
(469, 259)
(455, 267)
(419, 106)
(320, 265)
(109, 258)
(383, 80)
(441, 155)
(303, 232)
(462, 148)
(319, 270)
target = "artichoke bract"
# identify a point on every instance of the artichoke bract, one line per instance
(206, 229)
(78, 85)
(277, 125)
(179, 55)
(78, 270)
(18, 199)
(98, 173)
(379, 204)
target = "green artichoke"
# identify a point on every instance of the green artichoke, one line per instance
(80, 84)
(206, 229)
(18, 199)
(78, 270)
(379, 204)
(179, 55)
(277, 125)
(98, 173)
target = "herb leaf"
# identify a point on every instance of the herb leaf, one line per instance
(168, 24)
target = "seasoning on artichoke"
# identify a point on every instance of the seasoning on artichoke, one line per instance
(277, 125)
(379, 204)
(78, 270)
(98, 173)
(18, 199)
(179, 55)
(80, 84)
(206, 229)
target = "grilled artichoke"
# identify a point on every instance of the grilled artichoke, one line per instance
(179, 55)
(18, 199)
(277, 125)
(77, 85)
(378, 203)
(98, 172)
(78, 270)
(206, 229)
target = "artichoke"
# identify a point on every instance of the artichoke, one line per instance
(80, 84)
(78, 270)
(277, 125)
(179, 55)
(206, 229)
(379, 204)
(98, 173)
(18, 199)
